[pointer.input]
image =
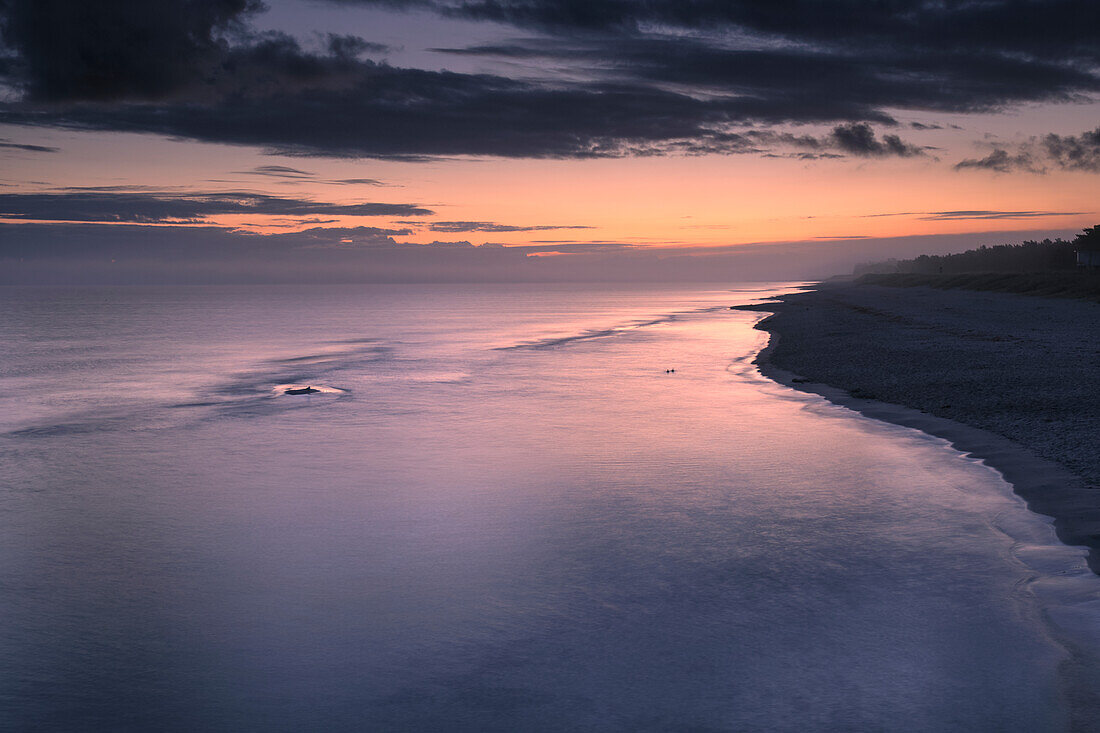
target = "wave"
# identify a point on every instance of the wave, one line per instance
(596, 333)
(61, 429)
(253, 393)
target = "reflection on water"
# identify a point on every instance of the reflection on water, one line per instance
(565, 537)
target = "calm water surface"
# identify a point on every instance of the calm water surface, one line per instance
(500, 514)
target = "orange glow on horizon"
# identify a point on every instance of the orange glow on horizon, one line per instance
(669, 202)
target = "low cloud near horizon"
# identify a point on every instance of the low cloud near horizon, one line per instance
(129, 254)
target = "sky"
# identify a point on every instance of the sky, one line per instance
(528, 140)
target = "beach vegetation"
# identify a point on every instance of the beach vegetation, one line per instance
(1028, 257)
(1088, 240)
(1047, 268)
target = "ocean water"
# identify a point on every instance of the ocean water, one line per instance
(501, 512)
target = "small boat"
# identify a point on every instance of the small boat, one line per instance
(302, 390)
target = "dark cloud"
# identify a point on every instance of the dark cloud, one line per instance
(976, 214)
(1037, 155)
(805, 156)
(835, 83)
(574, 247)
(378, 111)
(384, 112)
(1000, 161)
(585, 243)
(651, 78)
(488, 226)
(298, 223)
(1075, 152)
(115, 49)
(340, 237)
(859, 139)
(278, 171)
(355, 182)
(854, 58)
(348, 46)
(154, 207)
(289, 175)
(1064, 28)
(8, 144)
(972, 215)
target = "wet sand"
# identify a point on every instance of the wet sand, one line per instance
(1011, 379)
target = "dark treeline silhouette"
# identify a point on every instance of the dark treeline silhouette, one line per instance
(1029, 257)
(1050, 268)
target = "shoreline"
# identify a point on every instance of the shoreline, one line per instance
(1066, 594)
(1023, 470)
(1048, 486)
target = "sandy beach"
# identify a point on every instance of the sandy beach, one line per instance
(1008, 378)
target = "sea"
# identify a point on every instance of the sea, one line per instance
(528, 507)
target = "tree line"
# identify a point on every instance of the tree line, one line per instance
(1030, 256)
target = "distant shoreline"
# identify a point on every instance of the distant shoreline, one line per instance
(1007, 378)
